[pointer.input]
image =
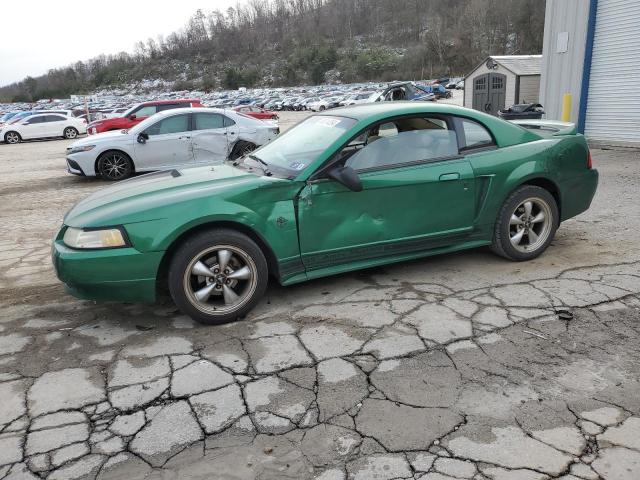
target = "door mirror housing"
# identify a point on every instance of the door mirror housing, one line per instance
(143, 137)
(347, 176)
(132, 116)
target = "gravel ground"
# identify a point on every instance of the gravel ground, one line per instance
(459, 366)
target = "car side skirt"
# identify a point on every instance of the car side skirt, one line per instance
(376, 262)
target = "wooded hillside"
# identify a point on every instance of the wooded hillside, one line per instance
(292, 42)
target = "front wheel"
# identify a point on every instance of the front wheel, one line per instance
(12, 137)
(115, 166)
(70, 133)
(217, 276)
(526, 225)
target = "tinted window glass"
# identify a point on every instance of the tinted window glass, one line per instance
(54, 118)
(32, 120)
(175, 124)
(228, 122)
(475, 135)
(208, 121)
(170, 106)
(145, 111)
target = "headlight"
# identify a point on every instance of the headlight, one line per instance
(107, 238)
(84, 148)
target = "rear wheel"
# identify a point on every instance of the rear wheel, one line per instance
(70, 133)
(217, 276)
(115, 166)
(12, 137)
(526, 224)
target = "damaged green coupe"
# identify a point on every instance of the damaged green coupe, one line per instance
(343, 190)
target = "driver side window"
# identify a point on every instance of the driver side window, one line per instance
(175, 124)
(401, 142)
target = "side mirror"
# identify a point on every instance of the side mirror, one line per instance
(132, 116)
(347, 176)
(143, 137)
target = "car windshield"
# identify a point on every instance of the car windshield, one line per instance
(7, 116)
(297, 148)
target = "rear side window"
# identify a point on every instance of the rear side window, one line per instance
(228, 122)
(54, 118)
(475, 135)
(208, 121)
(171, 106)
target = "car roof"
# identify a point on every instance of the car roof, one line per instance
(165, 102)
(176, 111)
(506, 133)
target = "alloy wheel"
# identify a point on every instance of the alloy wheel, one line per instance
(530, 225)
(220, 279)
(70, 133)
(12, 137)
(115, 166)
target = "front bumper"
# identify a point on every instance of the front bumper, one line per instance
(119, 274)
(74, 168)
(82, 163)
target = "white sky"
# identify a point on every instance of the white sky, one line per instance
(46, 34)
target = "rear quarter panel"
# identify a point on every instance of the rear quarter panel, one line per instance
(560, 161)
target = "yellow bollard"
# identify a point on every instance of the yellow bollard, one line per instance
(566, 107)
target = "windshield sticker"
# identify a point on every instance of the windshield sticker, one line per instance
(296, 166)
(328, 122)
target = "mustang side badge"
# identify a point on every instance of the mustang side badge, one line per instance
(281, 221)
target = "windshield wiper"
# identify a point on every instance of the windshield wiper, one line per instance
(265, 165)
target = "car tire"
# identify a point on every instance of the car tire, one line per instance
(241, 148)
(210, 291)
(70, 133)
(114, 165)
(526, 224)
(12, 138)
(322, 108)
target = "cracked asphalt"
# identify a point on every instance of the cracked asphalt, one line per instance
(464, 366)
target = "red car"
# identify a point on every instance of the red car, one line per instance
(138, 113)
(256, 112)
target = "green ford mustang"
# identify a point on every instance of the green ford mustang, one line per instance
(347, 189)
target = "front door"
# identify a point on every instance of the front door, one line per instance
(489, 92)
(33, 127)
(210, 138)
(418, 194)
(168, 145)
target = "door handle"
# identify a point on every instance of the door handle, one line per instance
(184, 138)
(447, 177)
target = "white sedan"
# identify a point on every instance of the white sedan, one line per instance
(177, 138)
(43, 125)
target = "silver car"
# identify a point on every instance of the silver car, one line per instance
(181, 137)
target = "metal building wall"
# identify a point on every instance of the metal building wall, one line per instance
(613, 106)
(562, 72)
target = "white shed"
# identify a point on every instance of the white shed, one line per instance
(501, 81)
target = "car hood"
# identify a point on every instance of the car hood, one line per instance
(101, 137)
(148, 197)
